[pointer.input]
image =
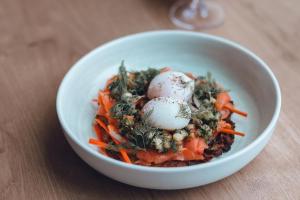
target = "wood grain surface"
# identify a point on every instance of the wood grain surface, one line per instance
(41, 39)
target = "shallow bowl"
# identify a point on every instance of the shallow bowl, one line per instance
(252, 86)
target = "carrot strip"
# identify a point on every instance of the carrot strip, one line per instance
(229, 131)
(232, 109)
(100, 137)
(125, 156)
(222, 99)
(98, 143)
(118, 139)
(102, 124)
(165, 69)
(190, 75)
(98, 132)
(107, 102)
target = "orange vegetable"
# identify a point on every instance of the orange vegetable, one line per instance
(118, 139)
(102, 124)
(223, 103)
(193, 150)
(107, 102)
(223, 124)
(190, 75)
(196, 145)
(230, 131)
(125, 156)
(100, 137)
(187, 155)
(225, 113)
(165, 69)
(222, 99)
(98, 132)
(155, 157)
(98, 143)
(234, 110)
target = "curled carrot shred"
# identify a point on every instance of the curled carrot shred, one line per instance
(100, 137)
(165, 69)
(223, 102)
(234, 110)
(102, 124)
(107, 102)
(230, 131)
(190, 75)
(98, 143)
(118, 139)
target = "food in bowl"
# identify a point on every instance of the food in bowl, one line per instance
(161, 117)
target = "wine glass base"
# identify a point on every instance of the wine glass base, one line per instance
(184, 17)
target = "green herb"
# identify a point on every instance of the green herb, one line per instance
(183, 112)
(141, 81)
(143, 135)
(126, 89)
(119, 86)
(205, 116)
(111, 146)
(122, 108)
(174, 146)
(123, 78)
(207, 87)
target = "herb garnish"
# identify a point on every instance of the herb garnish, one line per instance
(205, 116)
(125, 89)
(183, 112)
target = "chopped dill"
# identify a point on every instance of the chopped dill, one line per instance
(183, 112)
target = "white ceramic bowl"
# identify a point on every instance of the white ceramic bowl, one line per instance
(253, 87)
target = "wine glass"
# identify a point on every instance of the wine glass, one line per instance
(196, 14)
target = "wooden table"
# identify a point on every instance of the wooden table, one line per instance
(41, 39)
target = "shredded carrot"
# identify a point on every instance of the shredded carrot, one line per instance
(100, 138)
(165, 69)
(223, 124)
(98, 143)
(118, 139)
(113, 133)
(222, 99)
(234, 110)
(103, 145)
(101, 110)
(98, 132)
(102, 124)
(100, 96)
(230, 131)
(107, 102)
(190, 75)
(125, 156)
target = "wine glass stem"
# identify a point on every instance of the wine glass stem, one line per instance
(199, 6)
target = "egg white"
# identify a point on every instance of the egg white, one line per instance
(165, 113)
(171, 84)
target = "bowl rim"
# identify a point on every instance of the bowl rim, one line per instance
(264, 134)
